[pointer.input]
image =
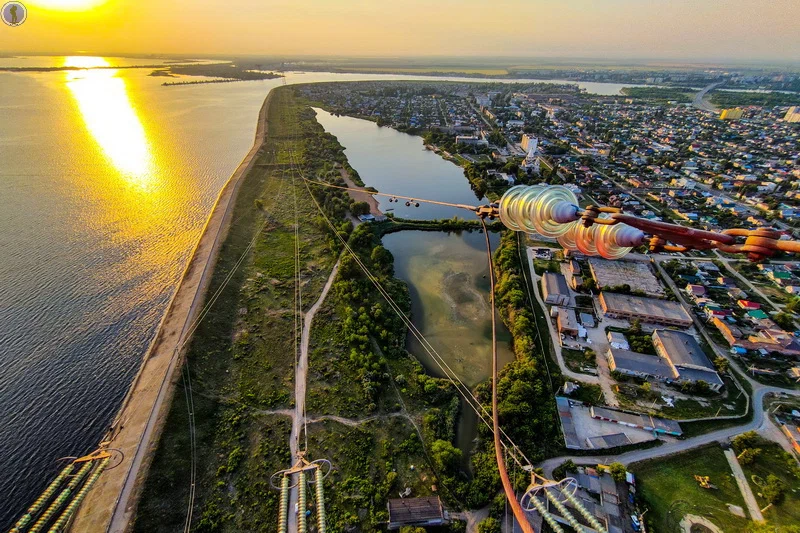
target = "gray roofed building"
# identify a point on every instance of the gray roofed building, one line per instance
(640, 365)
(701, 374)
(608, 441)
(618, 340)
(650, 423)
(567, 323)
(687, 356)
(554, 289)
(680, 348)
(645, 309)
(571, 439)
(416, 512)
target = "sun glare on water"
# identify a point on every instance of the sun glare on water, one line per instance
(111, 118)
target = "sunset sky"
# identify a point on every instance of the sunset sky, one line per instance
(674, 29)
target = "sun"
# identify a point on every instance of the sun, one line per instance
(67, 5)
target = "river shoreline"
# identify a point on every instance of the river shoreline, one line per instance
(139, 422)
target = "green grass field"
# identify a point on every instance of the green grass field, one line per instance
(773, 460)
(669, 491)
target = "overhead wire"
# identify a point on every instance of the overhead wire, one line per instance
(516, 508)
(300, 317)
(409, 198)
(497, 431)
(186, 378)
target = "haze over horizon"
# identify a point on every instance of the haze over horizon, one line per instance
(713, 30)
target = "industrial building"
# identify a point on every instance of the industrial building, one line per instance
(686, 355)
(640, 365)
(637, 420)
(793, 114)
(680, 359)
(617, 340)
(635, 274)
(731, 114)
(645, 309)
(554, 289)
(567, 321)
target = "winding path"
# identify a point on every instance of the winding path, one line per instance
(300, 377)
(301, 371)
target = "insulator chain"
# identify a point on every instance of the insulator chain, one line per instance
(553, 211)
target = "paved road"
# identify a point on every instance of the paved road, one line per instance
(726, 261)
(757, 424)
(554, 336)
(700, 101)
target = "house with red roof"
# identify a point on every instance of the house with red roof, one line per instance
(747, 304)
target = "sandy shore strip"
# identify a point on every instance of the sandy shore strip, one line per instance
(112, 502)
(361, 196)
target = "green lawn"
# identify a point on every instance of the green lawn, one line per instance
(577, 360)
(773, 460)
(589, 393)
(669, 491)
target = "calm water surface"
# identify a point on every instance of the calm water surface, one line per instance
(398, 163)
(105, 182)
(447, 276)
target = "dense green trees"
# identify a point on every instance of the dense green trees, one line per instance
(784, 320)
(748, 455)
(490, 525)
(745, 440)
(359, 208)
(721, 364)
(446, 457)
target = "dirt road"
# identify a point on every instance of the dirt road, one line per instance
(300, 376)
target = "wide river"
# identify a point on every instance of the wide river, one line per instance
(106, 180)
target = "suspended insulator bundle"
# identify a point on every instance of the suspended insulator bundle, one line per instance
(553, 211)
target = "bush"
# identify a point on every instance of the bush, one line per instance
(774, 489)
(489, 525)
(359, 208)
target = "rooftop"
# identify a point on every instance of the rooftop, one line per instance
(681, 348)
(635, 274)
(642, 363)
(645, 307)
(415, 510)
(661, 425)
(555, 283)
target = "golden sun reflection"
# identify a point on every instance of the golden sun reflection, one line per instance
(110, 117)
